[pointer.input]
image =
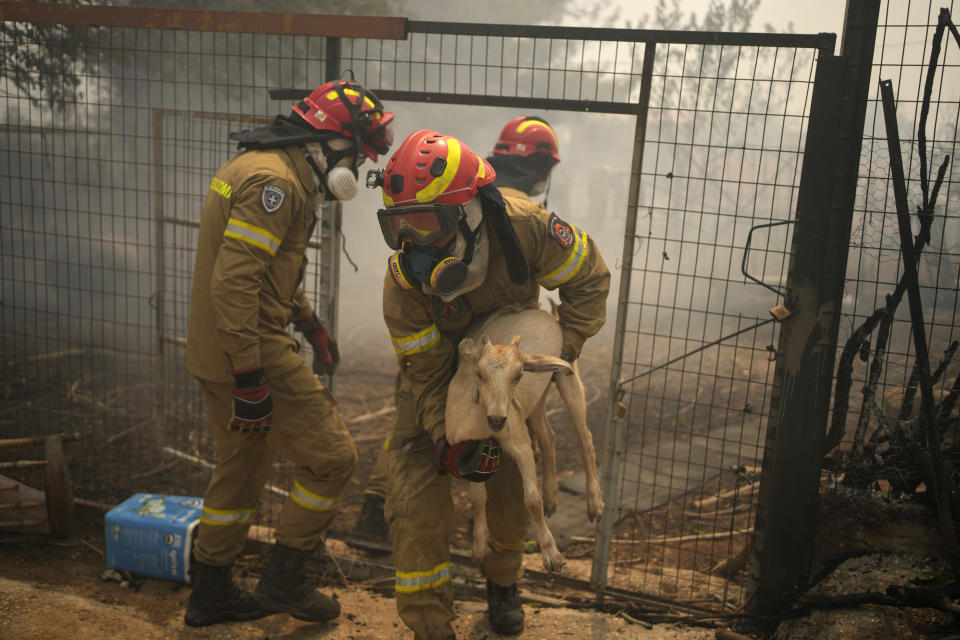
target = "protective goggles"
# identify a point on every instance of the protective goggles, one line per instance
(421, 224)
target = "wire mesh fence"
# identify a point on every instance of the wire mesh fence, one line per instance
(109, 143)
(723, 150)
(883, 404)
(108, 148)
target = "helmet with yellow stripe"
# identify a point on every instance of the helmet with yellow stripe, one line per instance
(526, 136)
(432, 167)
(347, 108)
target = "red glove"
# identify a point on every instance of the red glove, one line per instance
(473, 460)
(326, 354)
(252, 404)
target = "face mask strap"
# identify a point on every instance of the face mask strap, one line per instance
(333, 157)
(313, 164)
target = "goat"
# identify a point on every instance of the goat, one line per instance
(490, 396)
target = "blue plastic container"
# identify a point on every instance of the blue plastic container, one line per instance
(151, 535)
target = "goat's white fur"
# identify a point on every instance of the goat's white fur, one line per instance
(487, 388)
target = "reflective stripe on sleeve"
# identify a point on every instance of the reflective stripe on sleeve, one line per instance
(220, 517)
(246, 232)
(418, 342)
(571, 265)
(413, 581)
(309, 500)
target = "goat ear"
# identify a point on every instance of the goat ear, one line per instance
(468, 349)
(515, 341)
(543, 362)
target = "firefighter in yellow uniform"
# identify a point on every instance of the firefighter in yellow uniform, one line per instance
(262, 398)
(461, 251)
(523, 157)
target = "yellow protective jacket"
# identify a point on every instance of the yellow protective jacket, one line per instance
(425, 330)
(259, 214)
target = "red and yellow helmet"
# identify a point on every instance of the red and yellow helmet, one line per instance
(347, 108)
(432, 167)
(526, 136)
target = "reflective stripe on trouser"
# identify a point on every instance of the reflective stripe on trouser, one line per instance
(419, 510)
(308, 431)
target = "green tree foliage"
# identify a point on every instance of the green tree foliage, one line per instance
(735, 15)
(45, 62)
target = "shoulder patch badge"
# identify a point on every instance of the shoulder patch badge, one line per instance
(561, 231)
(448, 311)
(272, 198)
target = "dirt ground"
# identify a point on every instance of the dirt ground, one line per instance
(54, 589)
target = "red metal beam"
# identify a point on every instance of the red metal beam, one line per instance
(306, 24)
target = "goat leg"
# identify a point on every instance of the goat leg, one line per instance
(522, 454)
(574, 398)
(545, 435)
(481, 531)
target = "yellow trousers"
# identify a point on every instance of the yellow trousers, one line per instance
(308, 431)
(419, 510)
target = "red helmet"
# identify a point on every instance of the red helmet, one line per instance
(347, 108)
(431, 167)
(527, 135)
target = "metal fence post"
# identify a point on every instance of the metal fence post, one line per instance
(612, 443)
(331, 221)
(789, 496)
(160, 397)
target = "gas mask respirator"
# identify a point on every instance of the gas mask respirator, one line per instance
(434, 245)
(339, 158)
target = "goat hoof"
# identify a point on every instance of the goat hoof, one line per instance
(595, 511)
(549, 508)
(557, 568)
(554, 563)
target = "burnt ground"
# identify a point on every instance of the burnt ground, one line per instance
(47, 585)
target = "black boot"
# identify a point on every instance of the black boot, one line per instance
(371, 523)
(215, 598)
(504, 611)
(283, 588)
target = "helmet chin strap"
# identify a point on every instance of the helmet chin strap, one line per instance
(469, 236)
(313, 164)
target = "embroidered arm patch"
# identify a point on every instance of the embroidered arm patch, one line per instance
(561, 231)
(272, 198)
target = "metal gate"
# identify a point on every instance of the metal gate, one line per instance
(719, 122)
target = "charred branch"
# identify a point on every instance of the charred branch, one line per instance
(895, 596)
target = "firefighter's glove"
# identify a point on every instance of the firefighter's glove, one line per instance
(473, 460)
(326, 354)
(252, 404)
